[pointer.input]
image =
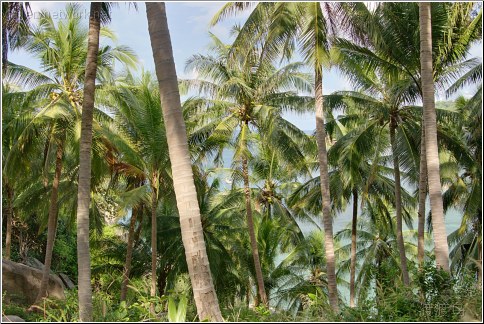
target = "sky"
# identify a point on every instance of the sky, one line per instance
(189, 29)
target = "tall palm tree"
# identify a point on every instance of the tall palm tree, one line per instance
(186, 195)
(246, 98)
(84, 189)
(308, 24)
(431, 148)
(375, 32)
(387, 112)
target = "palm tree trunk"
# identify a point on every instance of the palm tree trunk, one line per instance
(129, 255)
(253, 239)
(138, 230)
(431, 147)
(479, 263)
(422, 195)
(52, 223)
(8, 233)
(184, 185)
(398, 204)
(324, 176)
(154, 201)
(84, 190)
(162, 280)
(353, 248)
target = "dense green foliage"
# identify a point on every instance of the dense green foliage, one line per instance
(237, 135)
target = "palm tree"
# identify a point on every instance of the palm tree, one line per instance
(59, 85)
(186, 195)
(377, 245)
(431, 148)
(15, 22)
(389, 111)
(465, 188)
(246, 94)
(305, 24)
(84, 188)
(15, 115)
(376, 32)
(143, 151)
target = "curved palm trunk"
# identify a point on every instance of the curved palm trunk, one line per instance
(84, 190)
(253, 239)
(422, 195)
(185, 192)
(324, 176)
(8, 233)
(353, 249)
(432, 150)
(52, 223)
(398, 205)
(129, 255)
(154, 202)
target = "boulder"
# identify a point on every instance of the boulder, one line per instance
(33, 263)
(11, 318)
(21, 283)
(67, 281)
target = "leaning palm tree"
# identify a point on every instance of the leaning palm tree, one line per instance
(308, 25)
(245, 99)
(186, 195)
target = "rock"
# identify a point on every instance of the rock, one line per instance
(36, 264)
(11, 318)
(21, 283)
(67, 281)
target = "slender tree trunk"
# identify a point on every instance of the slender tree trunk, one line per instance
(431, 147)
(52, 223)
(253, 239)
(185, 192)
(398, 204)
(129, 255)
(479, 264)
(8, 233)
(138, 229)
(154, 202)
(353, 248)
(4, 47)
(84, 190)
(422, 195)
(162, 280)
(324, 176)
